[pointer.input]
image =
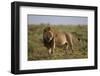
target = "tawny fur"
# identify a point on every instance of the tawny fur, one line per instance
(52, 39)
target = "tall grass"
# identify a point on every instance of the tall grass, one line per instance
(37, 51)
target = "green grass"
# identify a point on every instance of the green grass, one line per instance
(37, 51)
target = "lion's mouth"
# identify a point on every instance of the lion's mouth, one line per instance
(49, 40)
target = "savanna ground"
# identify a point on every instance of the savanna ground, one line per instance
(37, 51)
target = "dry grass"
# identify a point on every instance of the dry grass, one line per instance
(37, 51)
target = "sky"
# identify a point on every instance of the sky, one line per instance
(74, 20)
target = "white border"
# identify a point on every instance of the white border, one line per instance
(26, 65)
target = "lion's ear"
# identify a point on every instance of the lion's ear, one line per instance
(49, 28)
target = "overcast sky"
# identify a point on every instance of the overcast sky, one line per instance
(37, 19)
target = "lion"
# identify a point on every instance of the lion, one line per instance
(52, 39)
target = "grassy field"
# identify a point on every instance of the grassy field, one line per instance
(37, 51)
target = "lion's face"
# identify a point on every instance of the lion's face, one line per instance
(48, 34)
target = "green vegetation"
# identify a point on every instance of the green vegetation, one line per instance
(37, 51)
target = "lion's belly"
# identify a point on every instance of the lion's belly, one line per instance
(60, 39)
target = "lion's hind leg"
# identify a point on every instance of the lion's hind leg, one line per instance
(71, 48)
(66, 47)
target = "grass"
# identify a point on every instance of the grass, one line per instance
(37, 51)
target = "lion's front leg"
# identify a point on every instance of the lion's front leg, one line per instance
(53, 45)
(50, 51)
(66, 47)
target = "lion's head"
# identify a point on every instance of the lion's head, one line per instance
(47, 34)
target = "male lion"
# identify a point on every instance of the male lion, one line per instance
(53, 38)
